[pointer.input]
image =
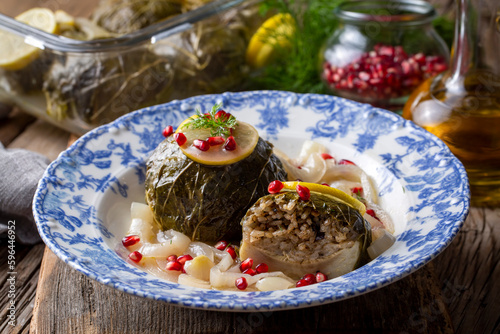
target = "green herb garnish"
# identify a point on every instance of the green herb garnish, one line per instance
(298, 65)
(219, 124)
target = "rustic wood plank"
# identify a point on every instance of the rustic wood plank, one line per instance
(43, 138)
(28, 259)
(69, 302)
(13, 125)
(76, 8)
(469, 271)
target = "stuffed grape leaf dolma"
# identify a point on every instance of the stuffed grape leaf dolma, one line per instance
(99, 88)
(126, 16)
(207, 202)
(299, 237)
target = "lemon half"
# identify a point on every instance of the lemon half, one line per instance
(329, 191)
(15, 54)
(275, 31)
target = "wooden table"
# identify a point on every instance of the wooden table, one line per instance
(457, 292)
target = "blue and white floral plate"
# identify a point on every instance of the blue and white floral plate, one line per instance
(82, 203)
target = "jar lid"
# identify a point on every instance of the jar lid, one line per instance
(403, 12)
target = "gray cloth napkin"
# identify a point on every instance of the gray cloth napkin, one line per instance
(20, 172)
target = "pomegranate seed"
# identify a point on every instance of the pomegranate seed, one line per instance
(231, 251)
(310, 278)
(180, 138)
(172, 258)
(439, 67)
(168, 131)
(369, 77)
(364, 76)
(326, 156)
(221, 245)
(241, 283)
(202, 145)
(275, 187)
(303, 192)
(320, 277)
(250, 272)
(130, 240)
(302, 282)
(230, 144)
(372, 213)
(221, 114)
(357, 191)
(325, 184)
(183, 258)
(299, 167)
(135, 256)
(262, 268)
(346, 162)
(247, 264)
(214, 141)
(174, 266)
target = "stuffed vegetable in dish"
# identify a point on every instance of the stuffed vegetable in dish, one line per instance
(201, 180)
(221, 215)
(300, 233)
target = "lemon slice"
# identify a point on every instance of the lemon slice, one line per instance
(275, 31)
(245, 135)
(14, 52)
(329, 191)
(64, 20)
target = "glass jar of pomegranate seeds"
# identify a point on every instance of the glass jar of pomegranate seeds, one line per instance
(382, 51)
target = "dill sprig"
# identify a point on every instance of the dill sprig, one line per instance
(219, 126)
(298, 65)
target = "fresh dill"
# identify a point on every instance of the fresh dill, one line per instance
(298, 65)
(219, 124)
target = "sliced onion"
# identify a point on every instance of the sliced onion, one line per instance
(368, 190)
(221, 280)
(171, 242)
(199, 267)
(192, 281)
(199, 248)
(309, 148)
(312, 170)
(142, 228)
(345, 186)
(342, 173)
(374, 222)
(384, 217)
(225, 259)
(380, 245)
(274, 283)
(157, 268)
(141, 211)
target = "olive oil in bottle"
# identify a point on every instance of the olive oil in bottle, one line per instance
(469, 123)
(462, 105)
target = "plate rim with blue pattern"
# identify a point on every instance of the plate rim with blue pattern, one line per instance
(433, 180)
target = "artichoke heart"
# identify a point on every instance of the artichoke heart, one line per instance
(206, 202)
(299, 237)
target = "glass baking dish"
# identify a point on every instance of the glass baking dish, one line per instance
(86, 77)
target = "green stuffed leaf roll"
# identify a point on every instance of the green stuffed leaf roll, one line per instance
(299, 237)
(207, 202)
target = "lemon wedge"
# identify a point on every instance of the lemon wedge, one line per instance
(14, 52)
(275, 31)
(328, 191)
(245, 135)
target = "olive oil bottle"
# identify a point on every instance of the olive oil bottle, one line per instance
(462, 105)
